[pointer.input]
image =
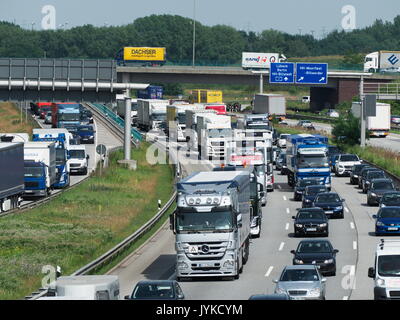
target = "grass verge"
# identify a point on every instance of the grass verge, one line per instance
(81, 224)
(10, 120)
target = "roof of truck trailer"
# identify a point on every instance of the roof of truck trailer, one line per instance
(6, 145)
(303, 136)
(213, 176)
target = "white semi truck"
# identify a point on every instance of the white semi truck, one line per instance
(271, 104)
(214, 134)
(212, 224)
(176, 120)
(191, 126)
(152, 114)
(382, 61)
(378, 126)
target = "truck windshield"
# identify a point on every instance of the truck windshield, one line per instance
(77, 154)
(159, 117)
(60, 156)
(309, 161)
(262, 126)
(389, 266)
(219, 133)
(33, 172)
(68, 116)
(204, 221)
(182, 118)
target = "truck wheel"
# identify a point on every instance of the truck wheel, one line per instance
(237, 276)
(246, 252)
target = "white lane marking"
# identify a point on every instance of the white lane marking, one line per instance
(269, 271)
(345, 209)
(352, 225)
(284, 198)
(279, 186)
(287, 210)
(281, 246)
(287, 226)
(345, 298)
(355, 245)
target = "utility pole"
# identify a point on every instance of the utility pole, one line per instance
(362, 113)
(194, 32)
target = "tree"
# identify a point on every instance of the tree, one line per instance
(347, 130)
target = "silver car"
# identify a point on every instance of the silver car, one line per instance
(301, 282)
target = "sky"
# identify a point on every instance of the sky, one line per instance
(316, 17)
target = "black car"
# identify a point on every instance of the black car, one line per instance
(391, 198)
(301, 186)
(373, 174)
(86, 133)
(355, 172)
(377, 189)
(310, 193)
(311, 221)
(156, 290)
(331, 203)
(363, 173)
(316, 252)
(281, 163)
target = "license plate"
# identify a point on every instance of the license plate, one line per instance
(296, 298)
(203, 265)
(329, 212)
(311, 229)
(28, 191)
(392, 229)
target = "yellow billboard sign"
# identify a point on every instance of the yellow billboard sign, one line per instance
(144, 54)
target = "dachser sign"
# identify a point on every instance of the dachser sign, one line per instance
(144, 54)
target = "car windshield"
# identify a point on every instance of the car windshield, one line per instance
(284, 136)
(85, 129)
(312, 215)
(310, 191)
(333, 150)
(349, 157)
(60, 156)
(389, 265)
(389, 213)
(376, 174)
(382, 185)
(77, 154)
(391, 197)
(328, 198)
(300, 275)
(153, 291)
(314, 246)
(307, 182)
(204, 221)
(33, 172)
(309, 161)
(182, 118)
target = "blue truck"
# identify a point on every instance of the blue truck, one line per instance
(151, 92)
(307, 157)
(66, 115)
(39, 168)
(61, 137)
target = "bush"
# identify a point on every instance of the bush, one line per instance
(347, 130)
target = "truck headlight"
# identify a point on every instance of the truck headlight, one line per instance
(231, 245)
(380, 282)
(182, 265)
(298, 261)
(229, 263)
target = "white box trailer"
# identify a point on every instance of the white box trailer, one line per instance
(382, 61)
(378, 126)
(152, 113)
(191, 125)
(271, 104)
(176, 120)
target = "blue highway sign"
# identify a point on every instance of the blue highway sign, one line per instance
(281, 73)
(312, 73)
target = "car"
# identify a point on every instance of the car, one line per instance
(86, 116)
(355, 172)
(363, 173)
(310, 193)
(43, 112)
(332, 113)
(387, 221)
(86, 133)
(301, 186)
(331, 203)
(276, 296)
(332, 152)
(281, 162)
(275, 153)
(395, 119)
(301, 282)
(344, 163)
(47, 118)
(373, 174)
(305, 99)
(282, 140)
(316, 252)
(390, 199)
(390, 70)
(283, 122)
(310, 221)
(304, 123)
(377, 188)
(333, 161)
(156, 290)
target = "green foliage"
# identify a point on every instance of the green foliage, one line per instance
(346, 130)
(218, 45)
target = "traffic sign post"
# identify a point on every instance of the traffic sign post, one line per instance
(312, 73)
(281, 73)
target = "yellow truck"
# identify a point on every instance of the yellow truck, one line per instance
(206, 96)
(146, 56)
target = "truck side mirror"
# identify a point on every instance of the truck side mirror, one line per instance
(87, 157)
(172, 222)
(371, 272)
(239, 221)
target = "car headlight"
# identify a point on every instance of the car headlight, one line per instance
(380, 224)
(367, 182)
(298, 261)
(322, 225)
(298, 225)
(383, 205)
(307, 200)
(315, 291)
(279, 290)
(328, 261)
(373, 194)
(380, 282)
(339, 208)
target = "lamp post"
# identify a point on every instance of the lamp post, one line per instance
(194, 32)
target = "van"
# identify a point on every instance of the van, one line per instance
(385, 271)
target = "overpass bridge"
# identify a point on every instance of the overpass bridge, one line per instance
(342, 85)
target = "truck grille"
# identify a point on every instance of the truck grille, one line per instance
(207, 250)
(394, 293)
(75, 165)
(31, 184)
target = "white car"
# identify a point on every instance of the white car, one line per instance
(282, 140)
(332, 113)
(344, 163)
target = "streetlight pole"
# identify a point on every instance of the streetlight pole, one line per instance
(194, 32)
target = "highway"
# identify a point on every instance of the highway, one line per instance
(353, 236)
